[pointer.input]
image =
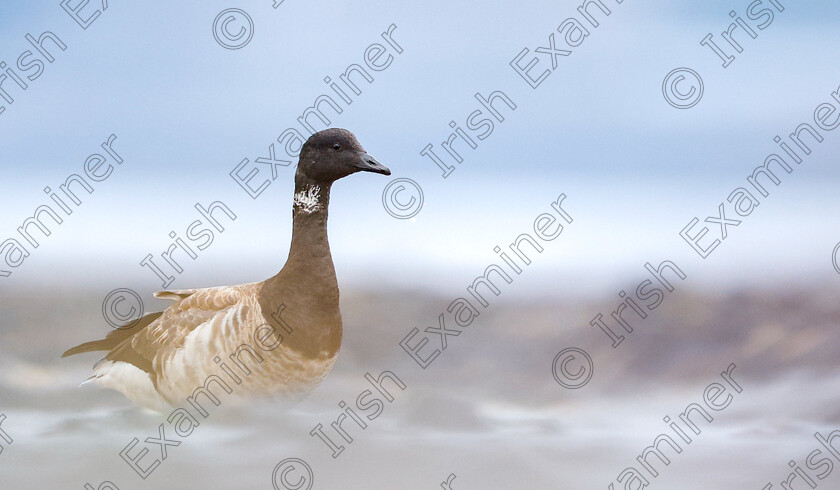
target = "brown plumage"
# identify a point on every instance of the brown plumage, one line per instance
(279, 336)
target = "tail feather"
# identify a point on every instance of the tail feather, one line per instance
(89, 380)
(92, 346)
(114, 338)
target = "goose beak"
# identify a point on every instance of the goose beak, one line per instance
(369, 164)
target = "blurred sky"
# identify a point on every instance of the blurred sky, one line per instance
(635, 170)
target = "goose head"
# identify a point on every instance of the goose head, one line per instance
(335, 153)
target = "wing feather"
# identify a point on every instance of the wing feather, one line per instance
(176, 295)
(150, 347)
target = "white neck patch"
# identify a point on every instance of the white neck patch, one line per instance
(307, 199)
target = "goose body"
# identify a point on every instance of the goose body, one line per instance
(280, 336)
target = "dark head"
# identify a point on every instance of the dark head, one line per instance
(334, 153)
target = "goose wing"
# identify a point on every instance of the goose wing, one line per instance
(216, 311)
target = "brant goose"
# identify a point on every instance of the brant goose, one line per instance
(281, 335)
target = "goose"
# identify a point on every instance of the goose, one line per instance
(279, 337)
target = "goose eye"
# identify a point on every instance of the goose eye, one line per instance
(336, 146)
